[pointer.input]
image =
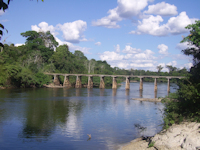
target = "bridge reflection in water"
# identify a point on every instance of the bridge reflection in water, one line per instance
(78, 84)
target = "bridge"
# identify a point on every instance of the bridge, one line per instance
(102, 84)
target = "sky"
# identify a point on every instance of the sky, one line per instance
(137, 34)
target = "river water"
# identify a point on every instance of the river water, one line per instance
(57, 118)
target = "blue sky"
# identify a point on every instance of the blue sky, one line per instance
(138, 34)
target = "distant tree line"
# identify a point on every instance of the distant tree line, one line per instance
(25, 65)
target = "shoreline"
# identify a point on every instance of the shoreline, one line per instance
(185, 135)
(148, 99)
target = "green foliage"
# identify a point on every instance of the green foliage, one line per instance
(151, 144)
(41, 79)
(186, 107)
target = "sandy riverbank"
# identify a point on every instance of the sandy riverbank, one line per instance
(148, 99)
(184, 136)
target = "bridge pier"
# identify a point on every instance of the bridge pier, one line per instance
(102, 84)
(127, 83)
(66, 82)
(90, 82)
(168, 85)
(141, 83)
(114, 84)
(78, 82)
(56, 80)
(155, 84)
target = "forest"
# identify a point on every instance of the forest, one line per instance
(24, 66)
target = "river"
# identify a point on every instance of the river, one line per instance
(59, 118)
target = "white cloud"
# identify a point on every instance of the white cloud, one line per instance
(129, 49)
(73, 31)
(73, 47)
(110, 56)
(173, 63)
(185, 45)
(19, 44)
(151, 26)
(44, 27)
(163, 9)
(188, 65)
(117, 48)
(1, 12)
(163, 49)
(175, 25)
(125, 9)
(98, 43)
(143, 59)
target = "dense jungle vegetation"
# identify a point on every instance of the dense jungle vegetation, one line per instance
(24, 66)
(185, 104)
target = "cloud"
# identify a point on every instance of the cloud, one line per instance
(98, 43)
(126, 9)
(172, 63)
(110, 56)
(73, 31)
(117, 48)
(151, 26)
(1, 12)
(19, 44)
(44, 27)
(129, 49)
(175, 25)
(143, 59)
(163, 9)
(163, 49)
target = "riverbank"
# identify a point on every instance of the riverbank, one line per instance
(148, 99)
(184, 136)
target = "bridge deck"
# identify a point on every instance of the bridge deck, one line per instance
(101, 75)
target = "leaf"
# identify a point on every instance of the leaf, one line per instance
(1, 26)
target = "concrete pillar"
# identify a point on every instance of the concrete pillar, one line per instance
(127, 83)
(102, 84)
(78, 82)
(168, 85)
(114, 84)
(56, 80)
(90, 82)
(66, 82)
(141, 83)
(155, 84)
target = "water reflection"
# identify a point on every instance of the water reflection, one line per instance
(155, 93)
(141, 93)
(102, 92)
(58, 118)
(127, 92)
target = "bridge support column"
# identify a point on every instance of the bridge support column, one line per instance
(66, 82)
(90, 82)
(141, 83)
(78, 82)
(127, 83)
(114, 84)
(168, 85)
(155, 84)
(56, 80)
(102, 84)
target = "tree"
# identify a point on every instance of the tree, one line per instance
(171, 68)
(193, 40)
(3, 6)
(159, 68)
